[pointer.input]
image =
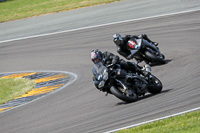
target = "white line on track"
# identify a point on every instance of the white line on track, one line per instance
(165, 117)
(89, 27)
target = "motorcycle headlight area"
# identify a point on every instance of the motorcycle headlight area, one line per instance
(99, 77)
(101, 84)
(105, 76)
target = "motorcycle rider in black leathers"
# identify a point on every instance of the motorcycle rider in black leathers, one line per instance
(109, 58)
(121, 43)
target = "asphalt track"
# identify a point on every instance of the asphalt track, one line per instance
(80, 107)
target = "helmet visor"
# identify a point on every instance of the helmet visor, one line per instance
(96, 60)
(118, 40)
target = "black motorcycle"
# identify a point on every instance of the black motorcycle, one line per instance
(144, 51)
(124, 85)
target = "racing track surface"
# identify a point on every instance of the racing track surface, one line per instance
(80, 108)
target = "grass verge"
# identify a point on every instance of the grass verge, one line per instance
(14, 87)
(18, 9)
(186, 123)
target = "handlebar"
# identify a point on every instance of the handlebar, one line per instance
(110, 65)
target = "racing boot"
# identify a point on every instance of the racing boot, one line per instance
(144, 36)
(159, 54)
(155, 43)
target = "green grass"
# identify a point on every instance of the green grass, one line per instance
(186, 123)
(14, 87)
(17, 9)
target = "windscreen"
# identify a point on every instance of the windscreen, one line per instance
(98, 69)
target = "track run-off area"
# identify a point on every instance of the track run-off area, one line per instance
(80, 107)
(46, 83)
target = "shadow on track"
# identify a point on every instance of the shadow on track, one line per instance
(144, 97)
(158, 64)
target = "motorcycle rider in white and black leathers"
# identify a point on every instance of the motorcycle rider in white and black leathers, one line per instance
(109, 58)
(121, 43)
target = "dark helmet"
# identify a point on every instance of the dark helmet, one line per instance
(96, 56)
(118, 40)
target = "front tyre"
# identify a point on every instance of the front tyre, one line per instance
(154, 85)
(127, 96)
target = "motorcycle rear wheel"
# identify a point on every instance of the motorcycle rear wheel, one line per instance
(155, 58)
(122, 95)
(155, 85)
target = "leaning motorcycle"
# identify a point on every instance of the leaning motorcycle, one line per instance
(124, 85)
(142, 52)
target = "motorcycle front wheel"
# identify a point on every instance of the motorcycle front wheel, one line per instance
(124, 95)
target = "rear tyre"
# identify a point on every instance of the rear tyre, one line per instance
(128, 96)
(155, 58)
(155, 85)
